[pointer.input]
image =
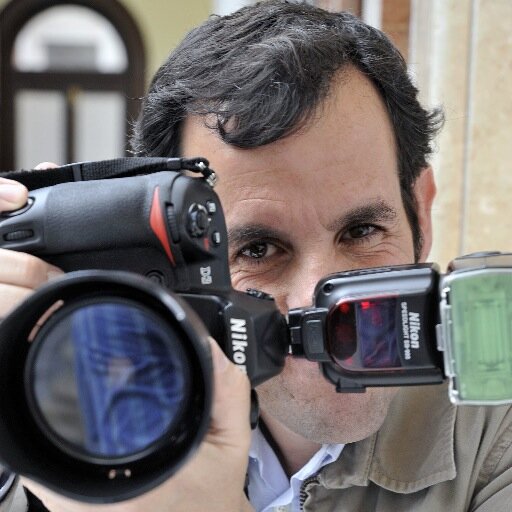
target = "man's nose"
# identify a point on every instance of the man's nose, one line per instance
(303, 281)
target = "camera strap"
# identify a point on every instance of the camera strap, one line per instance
(105, 169)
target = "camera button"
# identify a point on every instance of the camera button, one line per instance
(21, 234)
(157, 277)
(216, 238)
(211, 206)
(173, 224)
(198, 220)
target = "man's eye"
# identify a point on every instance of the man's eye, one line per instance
(360, 231)
(255, 250)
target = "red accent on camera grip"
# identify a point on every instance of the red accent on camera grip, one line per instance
(156, 221)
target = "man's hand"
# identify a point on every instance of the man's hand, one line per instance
(213, 479)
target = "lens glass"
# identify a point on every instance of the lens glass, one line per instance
(363, 334)
(481, 309)
(108, 378)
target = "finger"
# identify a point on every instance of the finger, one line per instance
(45, 165)
(13, 195)
(231, 405)
(25, 270)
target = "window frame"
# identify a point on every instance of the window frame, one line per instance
(130, 82)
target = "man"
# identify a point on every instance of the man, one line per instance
(321, 148)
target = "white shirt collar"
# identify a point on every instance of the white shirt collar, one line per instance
(269, 487)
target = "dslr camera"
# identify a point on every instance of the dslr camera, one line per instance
(114, 387)
(106, 381)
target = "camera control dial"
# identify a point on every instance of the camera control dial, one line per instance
(198, 220)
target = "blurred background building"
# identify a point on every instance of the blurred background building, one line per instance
(72, 74)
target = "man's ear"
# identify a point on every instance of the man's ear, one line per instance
(424, 191)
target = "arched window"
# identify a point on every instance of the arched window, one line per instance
(71, 79)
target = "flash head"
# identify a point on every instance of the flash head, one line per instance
(476, 328)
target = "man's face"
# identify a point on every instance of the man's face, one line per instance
(323, 200)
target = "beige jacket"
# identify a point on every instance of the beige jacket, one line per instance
(429, 456)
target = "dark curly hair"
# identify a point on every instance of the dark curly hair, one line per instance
(260, 74)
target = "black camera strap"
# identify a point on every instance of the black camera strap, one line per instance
(105, 169)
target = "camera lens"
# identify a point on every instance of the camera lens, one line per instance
(106, 385)
(107, 379)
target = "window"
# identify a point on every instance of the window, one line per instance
(71, 79)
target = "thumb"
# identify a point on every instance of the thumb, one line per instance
(13, 195)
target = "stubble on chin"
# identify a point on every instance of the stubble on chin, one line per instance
(322, 415)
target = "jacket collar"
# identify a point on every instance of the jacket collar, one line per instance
(413, 449)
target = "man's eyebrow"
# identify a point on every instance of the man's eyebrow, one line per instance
(372, 212)
(247, 232)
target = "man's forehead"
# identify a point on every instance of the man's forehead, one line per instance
(351, 101)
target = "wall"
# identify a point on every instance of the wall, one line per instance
(462, 56)
(163, 24)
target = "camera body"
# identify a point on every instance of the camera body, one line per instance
(168, 227)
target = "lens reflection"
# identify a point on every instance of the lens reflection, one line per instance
(109, 378)
(363, 334)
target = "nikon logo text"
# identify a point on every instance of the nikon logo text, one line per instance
(411, 327)
(239, 342)
(414, 329)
